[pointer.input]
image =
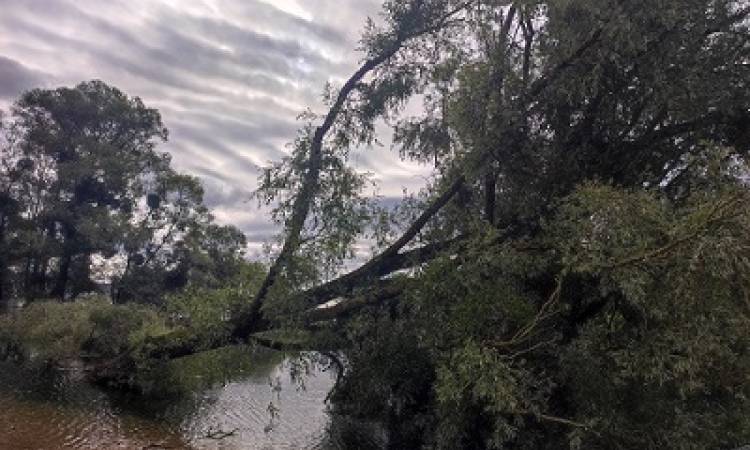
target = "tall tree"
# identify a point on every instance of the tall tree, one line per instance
(175, 243)
(8, 208)
(98, 143)
(23, 181)
(82, 178)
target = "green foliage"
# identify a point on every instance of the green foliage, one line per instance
(81, 180)
(118, 329)
(339, 213)
(191, 374)
(207, 312)
(50, 330)
(477, 383)
(490, 281)
(593, 294)
(54, 332)
(88, 148)
(655, 293)
(668, 352)
(389, 380)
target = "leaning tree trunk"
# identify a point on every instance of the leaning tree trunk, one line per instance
(251, 319)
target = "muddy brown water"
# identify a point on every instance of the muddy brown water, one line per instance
(234, 398)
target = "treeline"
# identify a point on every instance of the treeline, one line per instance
(88, 204)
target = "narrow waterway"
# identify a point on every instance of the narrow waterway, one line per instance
(233, 398)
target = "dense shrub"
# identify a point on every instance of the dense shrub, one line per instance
(54, 332)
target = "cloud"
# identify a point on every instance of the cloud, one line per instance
(16, 78)
(228, 76)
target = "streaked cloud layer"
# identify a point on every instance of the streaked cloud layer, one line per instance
(229, 77)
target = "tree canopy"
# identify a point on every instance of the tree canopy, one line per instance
(81, 179)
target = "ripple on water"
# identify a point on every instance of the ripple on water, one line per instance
(62, 412)
(242, 407)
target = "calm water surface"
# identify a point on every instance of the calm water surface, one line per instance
(234, 398)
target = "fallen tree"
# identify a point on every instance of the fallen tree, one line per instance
(540, 117)
(576, 273)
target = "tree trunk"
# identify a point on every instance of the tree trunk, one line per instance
(36, 281)
(3, 263)
(489, 199)
(3, 299)
(61, 284)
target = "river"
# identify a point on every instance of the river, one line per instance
(232, 398)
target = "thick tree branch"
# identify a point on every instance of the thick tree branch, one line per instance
(380, 292)
(527, 26)
(389, 260)
(310, 183)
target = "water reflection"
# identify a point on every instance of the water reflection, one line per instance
(233, 398)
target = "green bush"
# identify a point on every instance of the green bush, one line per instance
(53, 332)
(206, 312)
(117, 328)
(50, 330)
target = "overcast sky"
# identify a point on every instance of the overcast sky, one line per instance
(229, 77)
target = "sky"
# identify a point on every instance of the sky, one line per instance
(230, 78)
